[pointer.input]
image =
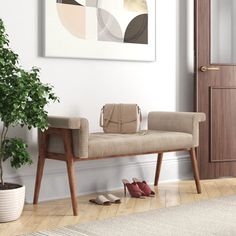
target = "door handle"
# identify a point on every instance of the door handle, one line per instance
(206, 68)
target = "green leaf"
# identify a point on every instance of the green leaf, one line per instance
(15, 149)
(23, 98)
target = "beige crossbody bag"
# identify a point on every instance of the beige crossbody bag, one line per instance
(120, 118)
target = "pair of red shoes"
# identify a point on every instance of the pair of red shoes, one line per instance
(138, 189)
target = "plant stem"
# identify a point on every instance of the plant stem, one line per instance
(1, 156)
(1, 171)
(2, 134)
(3, 138)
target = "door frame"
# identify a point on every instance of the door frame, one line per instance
(209, 168)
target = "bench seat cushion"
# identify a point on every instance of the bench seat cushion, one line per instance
(108, 145)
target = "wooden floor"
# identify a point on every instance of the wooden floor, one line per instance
(51, 214)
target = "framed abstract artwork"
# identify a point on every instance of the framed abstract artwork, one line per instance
(100, 29)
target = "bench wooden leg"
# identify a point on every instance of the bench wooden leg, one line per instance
(72, 183)
(70, 169)
(38, 180)
(43, 143)
(158, 168)
(195, 169)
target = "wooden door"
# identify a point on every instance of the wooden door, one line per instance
(215, 85)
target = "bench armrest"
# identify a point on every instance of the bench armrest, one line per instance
(186, 122)
(64, 122)
(80, 132)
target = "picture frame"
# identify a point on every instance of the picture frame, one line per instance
(100, 29)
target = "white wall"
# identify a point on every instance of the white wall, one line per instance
(85, 85)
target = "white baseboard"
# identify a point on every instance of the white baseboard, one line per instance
(102, 175)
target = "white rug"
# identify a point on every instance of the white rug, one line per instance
(212, 217)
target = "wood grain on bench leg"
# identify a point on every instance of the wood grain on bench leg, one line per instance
(38, 180)
(41, 160)
(70, 169)
(195, 169)
(72, 183)
(158, 168)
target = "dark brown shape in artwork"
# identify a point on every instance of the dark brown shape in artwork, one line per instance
(137, 30)
(71, 2)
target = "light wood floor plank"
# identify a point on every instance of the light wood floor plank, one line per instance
(232, 184)
(224, 187)
(172, 195)
(187, 194)
(159, 201)
(59, 213)
(203, 195)
(142, 205)
(127, 206)
(212, 189)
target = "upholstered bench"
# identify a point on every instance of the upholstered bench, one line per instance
(69, 140)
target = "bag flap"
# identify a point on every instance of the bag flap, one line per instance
(125, 113)
(111, 113)
(129, 113)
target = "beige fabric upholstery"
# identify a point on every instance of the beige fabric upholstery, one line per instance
(80, 132)
(106, 145)
(64, 122)
(166, 131)
(187, 122)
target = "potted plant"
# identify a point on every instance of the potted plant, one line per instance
(22, 102)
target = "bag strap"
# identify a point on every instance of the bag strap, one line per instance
(140, 114)
(119, 118)
(101, 117)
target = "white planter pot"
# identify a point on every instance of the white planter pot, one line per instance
(11, 203)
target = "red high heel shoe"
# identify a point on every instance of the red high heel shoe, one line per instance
(144, 187)
(133, 189)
